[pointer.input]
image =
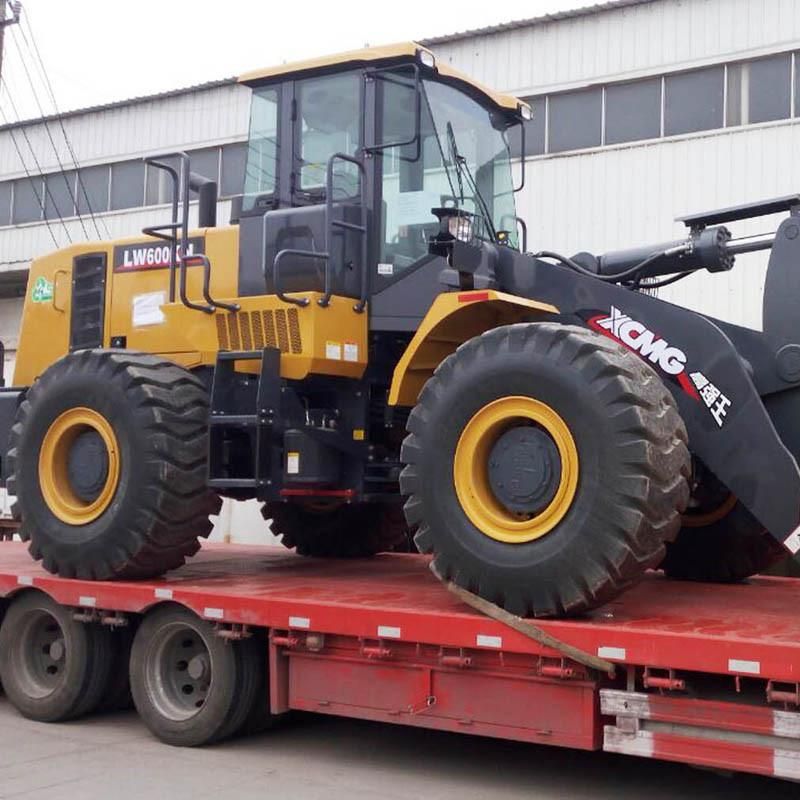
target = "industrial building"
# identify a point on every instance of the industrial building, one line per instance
(643, 110)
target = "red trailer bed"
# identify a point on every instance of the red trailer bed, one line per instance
(708, 674)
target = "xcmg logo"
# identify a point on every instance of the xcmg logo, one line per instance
(639, 338)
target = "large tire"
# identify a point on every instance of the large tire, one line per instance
(52, 667)
(189, 685)
(149, 420)
(341, 531)
(630, 457)
(726, 550)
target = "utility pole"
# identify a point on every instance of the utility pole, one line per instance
(5, 21)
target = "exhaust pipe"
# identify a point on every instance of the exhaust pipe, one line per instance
(206, 190)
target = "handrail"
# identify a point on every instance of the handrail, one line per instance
(298, 301)
(212, 305)
(331, 223)
(325, 255)
(158, 230)
(180, 259)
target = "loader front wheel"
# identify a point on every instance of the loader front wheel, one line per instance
(108, 462)
(546, 467)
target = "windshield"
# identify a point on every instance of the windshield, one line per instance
(476, 159)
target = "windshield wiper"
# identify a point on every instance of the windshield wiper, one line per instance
(462, 166)
(455, 157)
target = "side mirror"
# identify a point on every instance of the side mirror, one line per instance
(405, 84)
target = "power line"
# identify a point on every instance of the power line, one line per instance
(60, 118)
(39, 199)
(70, 189)
(40, 172)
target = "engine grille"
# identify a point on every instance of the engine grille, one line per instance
(255, 330)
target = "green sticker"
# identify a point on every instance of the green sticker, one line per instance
(42, 290)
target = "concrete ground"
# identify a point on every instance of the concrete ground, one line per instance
(323, 758)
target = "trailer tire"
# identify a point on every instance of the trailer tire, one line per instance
(190, 686)
(726, 550)
(52, 667)
(354, 530)
(108, 455)
(259, 717)
(593, 423)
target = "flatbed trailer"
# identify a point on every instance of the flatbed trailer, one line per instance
(707, 675)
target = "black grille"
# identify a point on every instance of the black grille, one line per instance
(88, 301)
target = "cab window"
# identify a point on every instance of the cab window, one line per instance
(262, 147)
(330, 122)
(414, 178)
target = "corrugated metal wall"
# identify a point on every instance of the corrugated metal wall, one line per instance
(206, 116)
(624, 42)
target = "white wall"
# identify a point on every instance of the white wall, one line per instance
(242, 523)
(10, 315)
(194, 119)
(626, 196)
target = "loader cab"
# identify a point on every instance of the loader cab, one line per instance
(348, 156)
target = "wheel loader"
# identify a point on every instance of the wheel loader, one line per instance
(370, 351)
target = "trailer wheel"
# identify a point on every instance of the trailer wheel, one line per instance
(545, 467)
(190, 686)
(52, 667)
(108, 455)
(339, 530)
(726, 545)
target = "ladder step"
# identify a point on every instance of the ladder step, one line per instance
(233, 483)
(239, 355)
(234, 419)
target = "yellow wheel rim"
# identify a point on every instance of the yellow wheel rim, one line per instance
(53, 466)
(702, 519)
(470, 470)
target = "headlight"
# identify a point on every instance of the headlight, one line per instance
(460, 228)
(525, 111)
(426, 58)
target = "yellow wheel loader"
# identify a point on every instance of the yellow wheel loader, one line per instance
(370, 351)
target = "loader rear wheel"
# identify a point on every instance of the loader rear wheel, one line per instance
(546, 467)
(108, 461)
(337, 530)
(722, 545)
(52, 667)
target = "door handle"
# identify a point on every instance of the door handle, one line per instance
(56, 274)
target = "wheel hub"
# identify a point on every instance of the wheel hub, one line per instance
(525, 469)
(179, 672)
(87, 465)
(41, 655)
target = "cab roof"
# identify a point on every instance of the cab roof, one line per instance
(386, 53)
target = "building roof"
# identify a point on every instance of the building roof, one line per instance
(583, 11)
(129, 101)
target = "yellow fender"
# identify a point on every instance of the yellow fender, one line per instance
(452, 319)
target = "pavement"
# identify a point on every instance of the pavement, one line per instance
(314, 757)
